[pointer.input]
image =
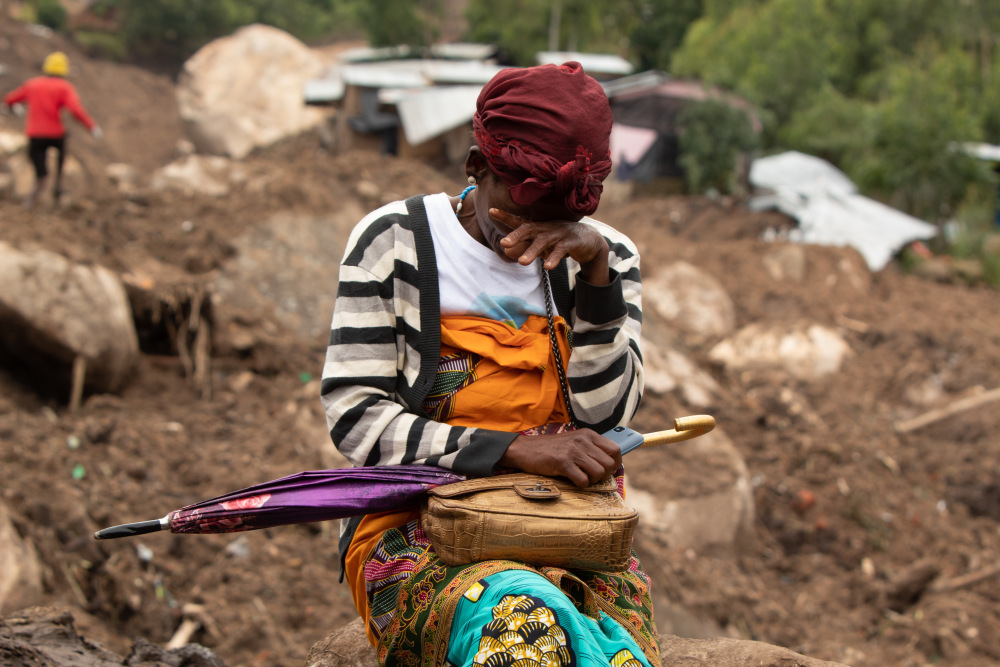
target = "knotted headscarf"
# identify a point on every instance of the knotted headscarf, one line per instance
(545, 131)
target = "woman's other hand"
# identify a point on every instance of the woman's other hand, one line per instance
(553, 240)
(584, 457)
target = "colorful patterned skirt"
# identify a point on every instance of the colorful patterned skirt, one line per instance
(499, 613)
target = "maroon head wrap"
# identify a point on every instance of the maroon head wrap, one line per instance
(545, 131)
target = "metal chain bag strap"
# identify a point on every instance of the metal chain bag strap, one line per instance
(531, 518)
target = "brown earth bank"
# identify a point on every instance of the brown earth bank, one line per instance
(872, 546)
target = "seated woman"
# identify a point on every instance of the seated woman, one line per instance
(440, 353)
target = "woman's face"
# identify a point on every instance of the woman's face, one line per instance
(491, 192)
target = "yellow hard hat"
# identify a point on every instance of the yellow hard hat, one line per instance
(56, 64)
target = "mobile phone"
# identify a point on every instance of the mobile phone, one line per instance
(626, 438)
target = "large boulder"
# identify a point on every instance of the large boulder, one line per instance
(12, 142)
(55, 313)
(48, 637)
(667, 370)
(244, 91)
(707, 502)
(691, 301)
(348, 647)
(20, 571)
(804, 351)
(344, 647)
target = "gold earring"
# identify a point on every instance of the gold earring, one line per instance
(472, 180)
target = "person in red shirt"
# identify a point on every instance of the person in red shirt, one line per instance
(45, 97)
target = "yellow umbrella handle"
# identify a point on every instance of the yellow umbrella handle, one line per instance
(684, 428)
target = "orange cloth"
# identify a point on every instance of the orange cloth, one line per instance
(517, 388)
(516, 385)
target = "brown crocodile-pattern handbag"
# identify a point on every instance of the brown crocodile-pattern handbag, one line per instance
(533, 519)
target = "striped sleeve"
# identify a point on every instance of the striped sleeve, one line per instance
(373, 360)
(605, 368)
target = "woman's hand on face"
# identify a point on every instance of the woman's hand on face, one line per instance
(584, 457)
(553, 240)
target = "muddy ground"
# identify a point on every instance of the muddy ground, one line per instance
(849, 511)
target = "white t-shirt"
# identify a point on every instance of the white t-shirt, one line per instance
(473, 279)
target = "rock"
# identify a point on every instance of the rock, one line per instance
(786, 262)
(53, 311)
(185, 147)
(197, 174)
(691, 301)
(668, 370)
(12, 142)
(345, 647)
(708, 505)
(724, 652)
(20, 571)
(806, 352)
(124, 176)
(47, 637)
(348, 647)
(244, 91)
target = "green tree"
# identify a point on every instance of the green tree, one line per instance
(522, 28)
(774, 54)
(400, 22)
(882, 88)
(713, 134)
(912, 157)
(659, 30)
(51, 13)
(522, 31)
(167, 32)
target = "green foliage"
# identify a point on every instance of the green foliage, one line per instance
(660, 30)
(521, 28)
(170, 31)
(521, 31)
(102, 45)
(51, 13)
(398, 22)
(771, 53)
(910, 158)
(882, 88)
(713, 135)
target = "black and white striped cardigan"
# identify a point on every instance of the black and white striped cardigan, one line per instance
(385, 346)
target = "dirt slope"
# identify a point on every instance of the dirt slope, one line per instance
(847, 507)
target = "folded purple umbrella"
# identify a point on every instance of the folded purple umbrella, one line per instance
(313, 495)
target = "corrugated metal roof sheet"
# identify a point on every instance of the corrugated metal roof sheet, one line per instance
(464, 51)
(397, 74)
(323, 91)
(454, 51)
(430, 112)
(640, 81)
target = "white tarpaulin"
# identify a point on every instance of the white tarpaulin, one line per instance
(829, 209)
